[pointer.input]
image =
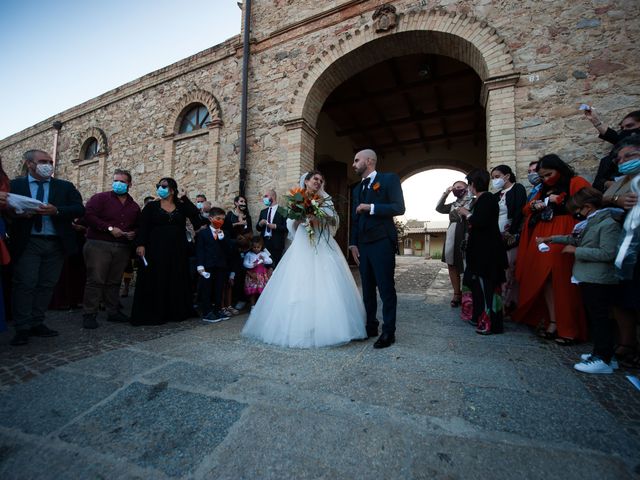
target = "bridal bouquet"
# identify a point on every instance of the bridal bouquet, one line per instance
(301, 205)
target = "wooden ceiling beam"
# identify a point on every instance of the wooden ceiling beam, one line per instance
(417, 117)
(333, 103)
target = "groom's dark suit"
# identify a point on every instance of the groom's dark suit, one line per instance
(376, 237)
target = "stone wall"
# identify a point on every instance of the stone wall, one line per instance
(563, 53)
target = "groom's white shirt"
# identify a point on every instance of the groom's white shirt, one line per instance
(371, 177)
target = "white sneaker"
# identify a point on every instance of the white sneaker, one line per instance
(613, 363)
(593, 365)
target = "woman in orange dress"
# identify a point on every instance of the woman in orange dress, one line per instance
(548, 299)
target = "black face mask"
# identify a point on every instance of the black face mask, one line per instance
(622, 134)
(242, 207)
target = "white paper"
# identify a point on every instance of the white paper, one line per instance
(22, 204)
(633, 379)
(584, 106)
(543, 247)
(205, 274)
(144, 260)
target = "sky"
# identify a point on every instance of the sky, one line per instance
(422, 192)
(55, 55)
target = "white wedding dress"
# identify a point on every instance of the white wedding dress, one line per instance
(311, 299)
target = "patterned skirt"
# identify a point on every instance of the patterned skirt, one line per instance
(254, 285)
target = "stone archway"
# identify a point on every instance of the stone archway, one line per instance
(437, 31)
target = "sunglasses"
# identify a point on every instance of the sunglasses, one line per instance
(163, 185)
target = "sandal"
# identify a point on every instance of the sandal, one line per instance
(627, 356)
(547, 335)
(565, 342)
(630, 361)
(456, 300)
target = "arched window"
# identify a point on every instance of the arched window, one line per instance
(195, 118)
(91, 149)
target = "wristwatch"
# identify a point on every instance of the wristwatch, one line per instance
(110, 229)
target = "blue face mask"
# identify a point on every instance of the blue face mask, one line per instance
(163, 192)
(630, 167)
(199, 205)
(266, 201)
(119, 188)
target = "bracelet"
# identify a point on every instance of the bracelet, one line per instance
(615, 198)
(597, 124)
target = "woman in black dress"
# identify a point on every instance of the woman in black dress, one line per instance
(163, 292)
(238, 226)
(485, 255)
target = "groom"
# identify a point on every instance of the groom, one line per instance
(374, 239)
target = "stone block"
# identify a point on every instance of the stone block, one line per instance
(158, 427)
(52, 400)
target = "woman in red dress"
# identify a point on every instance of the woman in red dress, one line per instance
(548, 299)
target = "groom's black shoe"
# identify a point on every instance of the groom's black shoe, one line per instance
(372, 332)
(385, 340)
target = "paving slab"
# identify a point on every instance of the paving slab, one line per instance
(27, 459)
(117, 365)
(157, 426)
(198, 401)
(573, 421)
(51, 400)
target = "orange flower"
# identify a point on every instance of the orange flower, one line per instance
(376, 186)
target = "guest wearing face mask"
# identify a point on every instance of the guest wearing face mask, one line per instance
(547, 298)
(629, 126)
(112, 220)
(452, 253)
(594, 244)
(39, 241)
(534, 180)
(200, 199)
(511, 197)
(163, 291)
(627, 302)
(237, 222)
(486, 259)
(272, 226)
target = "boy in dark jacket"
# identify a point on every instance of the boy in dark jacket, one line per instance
(213, 260)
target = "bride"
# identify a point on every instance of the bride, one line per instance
(311, 299)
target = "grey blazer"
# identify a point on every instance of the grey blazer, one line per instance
(597, 247)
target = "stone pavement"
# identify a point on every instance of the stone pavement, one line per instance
(198, 401)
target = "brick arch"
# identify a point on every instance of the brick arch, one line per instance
(192, 98)
(435, 31)
(99, 135)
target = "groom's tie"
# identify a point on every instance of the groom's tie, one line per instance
(363, 190)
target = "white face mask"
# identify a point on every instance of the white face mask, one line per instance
(498, 183)
(45, 170)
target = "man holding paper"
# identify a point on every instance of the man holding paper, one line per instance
(39, 241)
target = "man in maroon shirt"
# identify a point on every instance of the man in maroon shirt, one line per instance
(112, 219)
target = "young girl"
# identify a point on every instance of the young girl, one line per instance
(255, 261)
(594, 243)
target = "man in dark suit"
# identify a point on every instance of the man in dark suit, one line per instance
(272, 226)
(374, 241)
(39, 243)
